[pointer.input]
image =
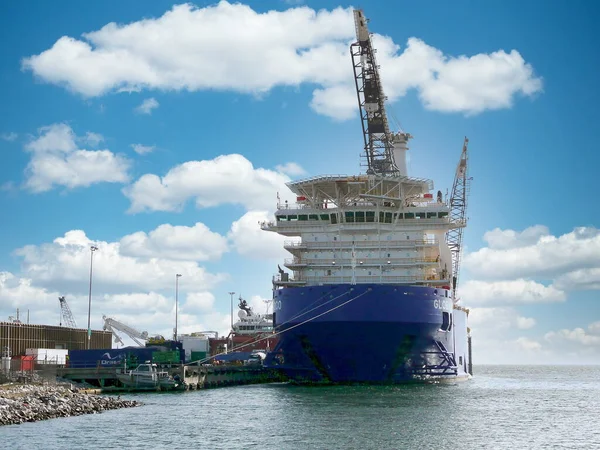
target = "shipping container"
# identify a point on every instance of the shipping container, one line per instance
(112, 357)
(48, 355)
(197, 356)
(166, 357)
(192, 344)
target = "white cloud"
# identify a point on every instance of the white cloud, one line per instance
(18, 292)
(226, 179)
(517, 291)
(489, 321)
(291, 169)
(577, 335)
(573, 257)
(199, 301)
(66, 262)
(259, 51)
(528, 345)
(525, 323)
(143, 149)
(56, 161)
(580, 279)
(93, 139)
(147, 106)
(10, 137)
(506, 239)
(249, 240)
(594, 327)
(195, 243)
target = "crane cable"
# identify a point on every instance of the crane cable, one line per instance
(288, 329)
(303, 313)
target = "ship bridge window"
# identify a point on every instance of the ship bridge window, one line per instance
(349, 216)
(421, 215)
(388, 217)
(431, 215)
(409, 215)
(370, 216)
(360, 216)
(334, 218)
(325, 217)
(302, 217)
(292, 217)
(313, 217)
(280, 218)
(442, 214)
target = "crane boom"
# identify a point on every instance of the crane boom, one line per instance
(385, 151)
(113, 326)
(66, 314)
(458, 213)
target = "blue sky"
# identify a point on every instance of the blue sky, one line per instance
(164, 138)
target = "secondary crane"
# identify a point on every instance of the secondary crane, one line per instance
(66, 314)
(458, 213)
(385, 151)
(113, 326)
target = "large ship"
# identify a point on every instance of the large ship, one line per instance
(370, 291)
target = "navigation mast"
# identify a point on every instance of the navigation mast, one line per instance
(385, 151)
(458, 213)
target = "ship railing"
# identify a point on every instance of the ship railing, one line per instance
(359, 262)
(266, 224)
(317, 178)
(346, 245)
(303, 224)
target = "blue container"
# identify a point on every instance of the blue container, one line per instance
(111, 357)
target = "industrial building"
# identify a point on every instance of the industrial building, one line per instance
(19, 337)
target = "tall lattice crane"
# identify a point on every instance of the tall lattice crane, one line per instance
(458, 213)
(66, 314)
(113, 326)
(385, 151)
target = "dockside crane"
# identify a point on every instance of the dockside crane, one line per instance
(458, 213)
(113, 326)
(66, 314)
(385, 151)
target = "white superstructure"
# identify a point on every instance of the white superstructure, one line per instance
(365, 229)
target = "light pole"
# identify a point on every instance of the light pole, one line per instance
(231, 348)
(231, 293)
(93, 248)
(176, 301)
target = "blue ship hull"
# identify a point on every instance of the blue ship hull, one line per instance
(367, 333)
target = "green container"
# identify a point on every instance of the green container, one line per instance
(169, 357)
(197, 356)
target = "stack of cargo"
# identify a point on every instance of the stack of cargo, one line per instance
(48, 355)
(194, 347)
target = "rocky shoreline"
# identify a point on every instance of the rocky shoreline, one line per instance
(30, 403)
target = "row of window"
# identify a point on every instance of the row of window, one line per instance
(363, 216)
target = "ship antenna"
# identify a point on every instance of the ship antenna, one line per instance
(385, 152)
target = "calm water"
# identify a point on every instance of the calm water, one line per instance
(503, 407)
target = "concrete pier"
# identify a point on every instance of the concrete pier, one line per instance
(194, 377)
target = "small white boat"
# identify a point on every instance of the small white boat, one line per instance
(149, 377)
